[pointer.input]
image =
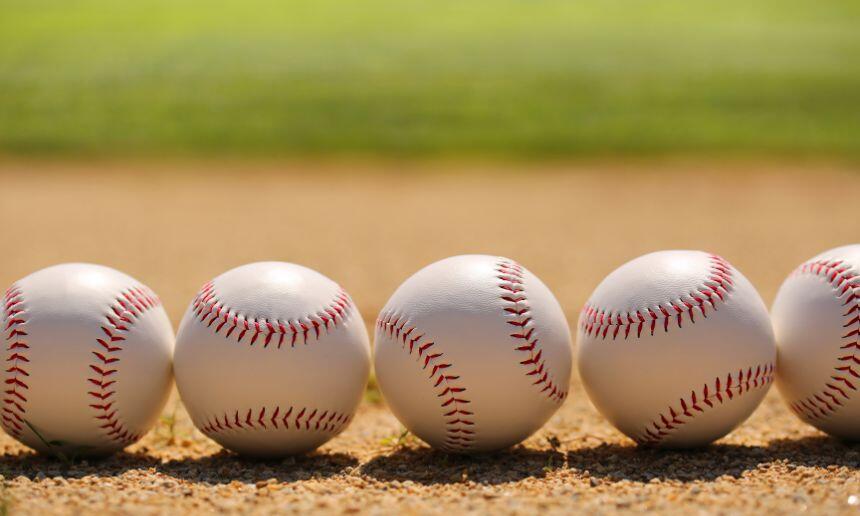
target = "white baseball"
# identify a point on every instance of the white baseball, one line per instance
(676, 348)
(271, 359)
(88, 359)
(473, 353)
(816, 318)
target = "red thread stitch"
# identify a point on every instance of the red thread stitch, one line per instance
(676, 416)
(845, 377)
(459, 425)
(15, 391)
(127, 308)
(209, 310)
(718, 285)
(518, 311)
(288, 418)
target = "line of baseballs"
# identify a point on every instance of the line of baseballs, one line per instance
(472, 353)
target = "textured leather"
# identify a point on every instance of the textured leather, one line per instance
(287, 388)
(710, 328)
(816, 318)
(451, 320)
(54, 320)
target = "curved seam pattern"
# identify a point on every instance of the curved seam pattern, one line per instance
(518, 312)
(845, 378)
(127, 308)
(15, 381)
(208, 309)
(667, 422)
(717, 286)
(278, 418)
(460, 432)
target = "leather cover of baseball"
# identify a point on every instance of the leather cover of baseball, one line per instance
(816, 317)
(88, 365)
(473, 353)
(272, 359)
(676, 348)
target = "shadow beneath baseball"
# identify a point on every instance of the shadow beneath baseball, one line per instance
(428, 466)
(616, 462)
(221, 468)
(817, 451)
(224, 467)
(35, 466)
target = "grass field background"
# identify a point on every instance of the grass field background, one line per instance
(405, 77)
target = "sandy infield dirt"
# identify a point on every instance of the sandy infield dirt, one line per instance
(175, 226)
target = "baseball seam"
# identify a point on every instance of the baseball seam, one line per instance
(518, 311)
(460, 434)
(209, 309)
(14, 394)
(718, 286)
(845, 377)
(669, 421)
(314, 419)
(126, 309)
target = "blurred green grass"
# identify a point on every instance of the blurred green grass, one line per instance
(532, 78)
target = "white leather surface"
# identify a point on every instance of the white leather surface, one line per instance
(636, 378)
(221, 375)
(816, 318)
(64, 309)
(457, 305)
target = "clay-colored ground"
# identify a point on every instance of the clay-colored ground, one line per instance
(176, 226)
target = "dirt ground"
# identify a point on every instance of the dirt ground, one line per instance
(174, 226)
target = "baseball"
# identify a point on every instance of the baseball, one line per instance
(88, 359)
(676, 348)
(816, 319)
(271, 359)
(473, 353)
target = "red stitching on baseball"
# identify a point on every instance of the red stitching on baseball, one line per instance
(16, 387)
(510, 273)
(289, 418)
(846, 373)
(209, 310)
(734, 386)
(717, 286)
(459, 425)
(127, 308)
